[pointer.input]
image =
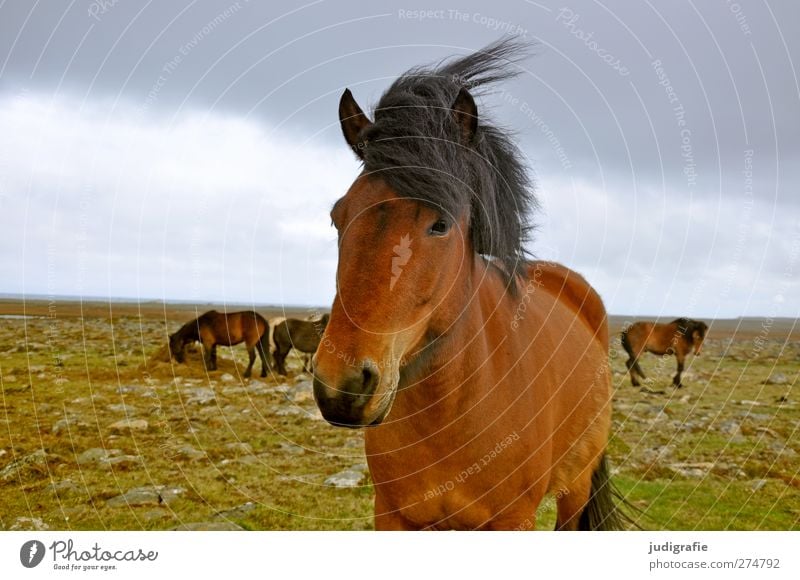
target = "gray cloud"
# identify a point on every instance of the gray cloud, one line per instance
(639, 121)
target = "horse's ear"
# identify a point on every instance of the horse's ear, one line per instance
(353, 121)
(465, 113)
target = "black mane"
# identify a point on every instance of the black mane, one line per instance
(414, 144)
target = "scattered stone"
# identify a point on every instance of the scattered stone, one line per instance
(29, 524)
(657, 454)
(122, 408)
(346, 478)
(209, 527)
(758, 484)
(227, 378)
(201, 396)
(148, 495)
(129, 426)
(289, 411)
(239, 448)
(733, 429)
(291, 448)
(188, 452)
(156, 514)
(64, 487)
(237, 512)
(755, 416)
(767, 431)
(96, 455)
(776, 379)
(691, 470)
(781, 448)
(750, 403)
(69, 424)
(36, 461)
(122, 461)
(302, 393)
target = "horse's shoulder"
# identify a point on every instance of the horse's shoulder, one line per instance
(574, 291)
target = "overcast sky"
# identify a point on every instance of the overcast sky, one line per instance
(192, 150)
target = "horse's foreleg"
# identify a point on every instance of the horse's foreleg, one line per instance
(676, 380)
(213, 357)
(571, 502)
(251, 352)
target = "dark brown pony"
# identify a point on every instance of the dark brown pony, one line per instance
(678, 337)
(214, 328)
(484, 381)
(303, 335)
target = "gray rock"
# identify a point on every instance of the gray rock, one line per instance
(96, 455)
(758, 484)
(209, 527)
(36, 461)
(776, 379)
(29, 524)
(691, 470)
(239, 448)
(238, 511)
(121, 408)
(155, 514)
(188, 452)
(302, 393)
(658, 454)
(122, 461)
(227, 378)
(344, 479)
(148, 495)
(64, 487)
(732, 429)
(69, 424)
(201, 396)
(291, 448)
(782, 449)
(129, 426)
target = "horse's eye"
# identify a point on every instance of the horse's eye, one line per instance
(440, 228)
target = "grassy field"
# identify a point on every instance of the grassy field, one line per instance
(99, 431)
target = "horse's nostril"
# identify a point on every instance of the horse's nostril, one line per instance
(369, 377)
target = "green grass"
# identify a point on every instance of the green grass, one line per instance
(78, 371)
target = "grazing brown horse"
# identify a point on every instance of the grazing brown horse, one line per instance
(214, 328)
(678, 337)
(303, 335)
(483, 380)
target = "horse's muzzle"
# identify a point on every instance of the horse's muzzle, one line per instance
(344, 403)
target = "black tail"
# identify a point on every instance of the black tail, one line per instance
(603, 511)
(626, 344)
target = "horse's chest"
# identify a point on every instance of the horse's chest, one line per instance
(457, 492)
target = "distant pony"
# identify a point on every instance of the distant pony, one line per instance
(214, 328)
(302, 335)
(678, 337)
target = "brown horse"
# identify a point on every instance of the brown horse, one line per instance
(302, 335)
(678, 337)
(484, 381)
(214, 328)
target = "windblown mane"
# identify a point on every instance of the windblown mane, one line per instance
(414, 145)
